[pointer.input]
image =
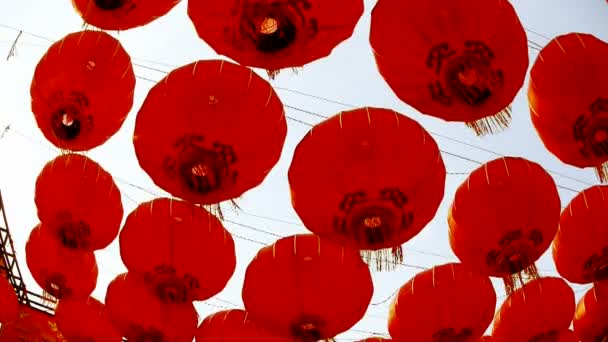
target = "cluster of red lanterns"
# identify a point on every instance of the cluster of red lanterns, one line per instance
(364, 181)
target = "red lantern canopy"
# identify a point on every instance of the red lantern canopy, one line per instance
(82, 90)
(455, 60)
(78, 202)
(139, 316)
(580, 247)
(9, 304)
(184, 251)
(85, 320)
(446, 303)
(504, 217)
(568, 97)
(538, 310)
(309, 288)
(275, 34)
(210, 131)
(235, 326)
(60, 272)
(370, 178)
(122, 14)
(590, 324)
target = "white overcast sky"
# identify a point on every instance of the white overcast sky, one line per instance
(348, 76)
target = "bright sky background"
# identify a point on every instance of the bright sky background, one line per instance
(348, 76)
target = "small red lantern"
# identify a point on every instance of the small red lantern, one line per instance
(590, 323)
(122, 14)
(235, 326)
(9, 304)
(85, 320)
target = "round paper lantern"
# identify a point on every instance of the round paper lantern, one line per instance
(139, 316)
(459, 61)
(503, 218)
(445, 303)
(535, 312)
(85, 320)
(306, 287)
(82, 90)
(210, 131)
(122, 14)
(78, 202)
(275, 34)
(369, 178)
(184, 251)
(9, 304)
(590, 324)
(235, 326)
(580, 247)
(568, 97)
(32, 326)
(60, 272)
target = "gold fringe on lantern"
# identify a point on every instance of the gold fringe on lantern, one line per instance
(517, 280)
(602, 172)
(386, 259)
(492, 124)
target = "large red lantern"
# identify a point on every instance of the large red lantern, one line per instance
(275, 34)
(308, 288)
(568, 97)
(85, 320)
(122, 14)
(590, 323)
(9, 304)
(455, 60)
(580, 247)
(370, 178)
(210, 131)
(540, 309)
(445, 303)
(60, 272)
(78, 202)
(504, 217)
(140, 316)
(31, 326)
(82, 90)
(183, 250)
(235, 326)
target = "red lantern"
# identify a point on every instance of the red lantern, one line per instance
(210, 131)
(85, 320)
(31, 326)
(504, 217)
(536, 311)
(78, 202)
(370, 178)
(139, 316)
(376, 339)
(580, 247)
(234, 326)
(275, 34)
(455, 60)
(184, 251)
(445, 303)
(568, 99)
(309, 288)
(590, 324)
(9, 304)
(82, 90)
(122, 14)
(486, 339)
(60, 272)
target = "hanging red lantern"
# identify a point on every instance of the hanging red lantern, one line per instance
(486, 339)
(122, 14)
(31, 326)
(60, 272)
(445, 303)
(376, 339)
(183, 250)
(308, 288)
(568, 97)
(210, 131)
(537, 311)
(82, 90)
(235, 326)
(275, 34)
(504, 217)
(9, 304)
(459, 61)
(590, 323)
(139, 316)
(85, 320)
(78, 202)
(580, 247)
(369, 178)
